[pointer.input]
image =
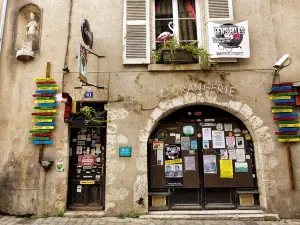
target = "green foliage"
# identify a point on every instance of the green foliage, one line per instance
(172, 46)
(90, 113)
(45, 215)
(129, 215)
(61, 214)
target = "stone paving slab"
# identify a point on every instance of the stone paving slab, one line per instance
(10, 220)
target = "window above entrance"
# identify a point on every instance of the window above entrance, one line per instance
(149, 24)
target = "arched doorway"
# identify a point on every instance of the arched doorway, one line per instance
(201, 157)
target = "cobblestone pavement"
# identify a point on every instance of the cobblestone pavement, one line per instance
(10, 220)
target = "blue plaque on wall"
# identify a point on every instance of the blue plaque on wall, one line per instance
(125, 151)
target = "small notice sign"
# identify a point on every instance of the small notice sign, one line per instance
(87, 182)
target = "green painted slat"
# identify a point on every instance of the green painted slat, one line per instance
(281, 107)
(286, 94)
(39, 138)
(39, 131)
(289, 136)
(45, 117)
(287, 122)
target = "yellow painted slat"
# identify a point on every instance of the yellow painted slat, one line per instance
(43, 128)
(48, 88)
(281, 110)
(45, 110)
(43, 79)
(280, 97)
(289, 140)
(45, 101)
(290, 125)
(42, 120)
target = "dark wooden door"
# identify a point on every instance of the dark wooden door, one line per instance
(87, 168)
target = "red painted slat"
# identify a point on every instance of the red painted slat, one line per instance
(42, 135)
(287, 133)
(283, 84)
(285, 103)
(284, 118)
(42, 95)
(46, 82)
(42, 114)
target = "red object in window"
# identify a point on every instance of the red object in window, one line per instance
(189, 7)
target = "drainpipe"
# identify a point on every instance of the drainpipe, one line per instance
(2, 23)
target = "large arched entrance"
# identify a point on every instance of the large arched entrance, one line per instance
(201, 157)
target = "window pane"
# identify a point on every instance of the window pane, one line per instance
(163, 9)
(187, 29)
(186, 9)
(162, 26)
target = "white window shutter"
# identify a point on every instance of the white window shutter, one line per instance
(136, 32)
(219, 10)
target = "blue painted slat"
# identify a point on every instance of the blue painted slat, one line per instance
(282, 88)
(286, 114)
(45, 91)
(45, 124)
(47, 104)
(287, 129)
(50, 142)
(283, 100)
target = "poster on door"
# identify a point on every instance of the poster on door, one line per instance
(228, 40)
(173, 152)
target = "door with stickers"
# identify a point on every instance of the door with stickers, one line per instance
(86, 168)
(174, 162)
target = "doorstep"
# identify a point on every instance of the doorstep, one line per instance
(77, 214)
(213, 215)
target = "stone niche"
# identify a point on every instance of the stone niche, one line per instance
(28, 32)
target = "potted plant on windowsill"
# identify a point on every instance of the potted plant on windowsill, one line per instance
(174, 53)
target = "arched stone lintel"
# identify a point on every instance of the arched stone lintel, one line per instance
(261, 138)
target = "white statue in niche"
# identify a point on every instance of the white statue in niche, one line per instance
(28, 46)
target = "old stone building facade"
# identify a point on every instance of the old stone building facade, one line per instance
(137, 95)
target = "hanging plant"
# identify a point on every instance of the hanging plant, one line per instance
(90, 114)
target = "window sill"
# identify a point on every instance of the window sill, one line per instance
(179, 67)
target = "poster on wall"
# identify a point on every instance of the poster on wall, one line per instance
(240, 142)
(206, 133)
(226, 169)
(228, 39)
(241, 167)
(210, 164)
(82, 63)
(230, 142)
(240, 155)
(188, 131)
(173, 152)
(223, 154)
(173, 174)
(160, 157)
(218, 139)
(185, 143)
(189, 163)
(228, 127)
(205, 145)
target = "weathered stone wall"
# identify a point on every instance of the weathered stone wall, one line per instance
(137, 100)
